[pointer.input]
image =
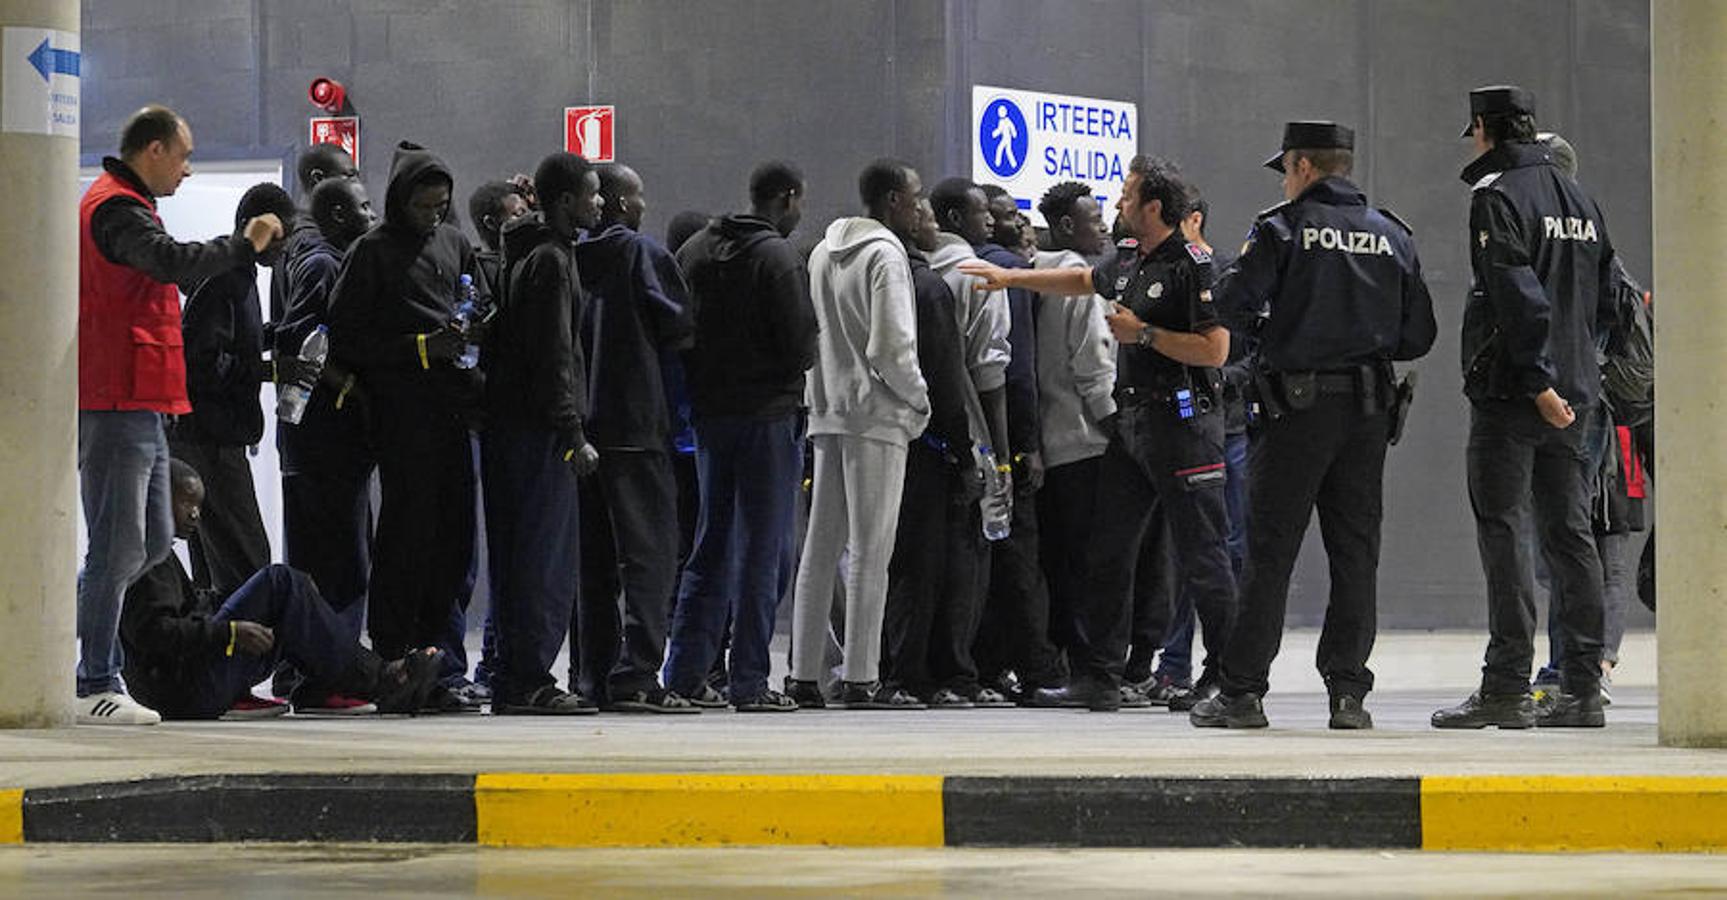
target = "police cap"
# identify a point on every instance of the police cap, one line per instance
(1312, 136)
(1498, 100)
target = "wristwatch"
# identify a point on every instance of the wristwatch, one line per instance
(1144, 339)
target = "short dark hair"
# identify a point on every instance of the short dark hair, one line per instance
(181, 472)
(319, 157)
(881, 178)
(611, 178)
(559, 174)
(683, 226)
(266, 198)
(148, 125)
(950, 196)
(1160, 179)
(773, 178)
(1330, 160)
(1059, 201)
(488, 200)
(330, 195)
(993, 192)
(1512, 128)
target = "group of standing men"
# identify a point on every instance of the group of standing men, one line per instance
(943, 377)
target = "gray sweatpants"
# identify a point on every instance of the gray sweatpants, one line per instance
(854, 510)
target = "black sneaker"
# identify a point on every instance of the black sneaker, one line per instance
(806, 694)
(1482, 710)
(1573, 711)
(455, 696)
(1162, 689)
(872, 695)
(1229, 711)
(1347, 714)
(1184, 700)
(1080, 694)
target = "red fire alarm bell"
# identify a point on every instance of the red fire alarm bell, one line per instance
(328, 94)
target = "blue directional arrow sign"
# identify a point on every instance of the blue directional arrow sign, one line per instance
(50, 61)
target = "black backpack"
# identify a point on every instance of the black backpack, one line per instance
(1628, 365)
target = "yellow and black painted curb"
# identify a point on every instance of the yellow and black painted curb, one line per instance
(1494, 813)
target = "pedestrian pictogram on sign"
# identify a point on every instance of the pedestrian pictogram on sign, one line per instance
(343, 131)
(589, 132)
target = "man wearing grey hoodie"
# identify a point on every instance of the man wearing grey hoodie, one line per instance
(867, 400)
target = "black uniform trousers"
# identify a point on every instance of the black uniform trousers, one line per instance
(1066, 514)
(423, 552)
(935, 581)
(533, 539)
(327, 466)
(1154, 593)
(629, 572)
(1155, 456)
(1014, 633)
(1332, 456)
(1518, 462)
(231, 545)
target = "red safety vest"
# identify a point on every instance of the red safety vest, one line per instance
(131, 355)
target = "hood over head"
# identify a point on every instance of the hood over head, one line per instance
(411, 165)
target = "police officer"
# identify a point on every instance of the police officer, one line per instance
(1543, 269)
(1341, 294)
(1166, 443)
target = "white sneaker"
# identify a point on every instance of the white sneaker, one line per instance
(113, 708)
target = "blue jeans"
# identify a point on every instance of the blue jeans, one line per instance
(1176, 659)
(747, 471)
(123, 480)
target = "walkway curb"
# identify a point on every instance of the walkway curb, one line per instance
(1502, 813)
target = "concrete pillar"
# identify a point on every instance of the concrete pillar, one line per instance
(38, 401)
(1688, 50)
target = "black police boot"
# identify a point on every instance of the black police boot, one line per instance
(1088, 694)
(807, 694)
(1347, 714)
(1185, 701)
(1229, 711)
(1573, 711)
(1482, 710)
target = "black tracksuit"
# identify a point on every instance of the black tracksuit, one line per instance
(397, 283)
(638, 312)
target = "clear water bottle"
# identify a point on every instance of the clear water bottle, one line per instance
(996, 504)
(291, 398)
(467, 307)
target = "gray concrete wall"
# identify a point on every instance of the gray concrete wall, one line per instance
(705, 89)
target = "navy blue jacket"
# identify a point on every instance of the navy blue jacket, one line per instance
(224, 331)
(638, 312)
(1024, 429)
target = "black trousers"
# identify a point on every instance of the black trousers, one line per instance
(327, 466)
(935, 587)
(1154, 593)
(1066, 513)
(1331, 456)
(629, 572)
(231, 545)
(424, 549)
(1155, 456)
(1014, 633)
(1519, 463)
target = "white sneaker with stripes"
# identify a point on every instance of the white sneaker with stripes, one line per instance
(113, 708)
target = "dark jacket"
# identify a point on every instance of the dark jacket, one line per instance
(535, 373)
(304, 278)
(755, 330)
(637, 311)
(127, 233)
(397, 283)
(1025, 433)
(942, 358)
(1543, 279)
(224, 332)
(167, 626)
(1341, 281)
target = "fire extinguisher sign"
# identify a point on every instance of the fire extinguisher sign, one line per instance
(589, 132)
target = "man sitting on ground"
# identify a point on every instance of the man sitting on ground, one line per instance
(189, 656)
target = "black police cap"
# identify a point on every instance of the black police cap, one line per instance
(1312, 136)
(1498, 100)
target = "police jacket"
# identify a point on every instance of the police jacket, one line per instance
(1543, 280)
(1338, 282)
(1169, 287)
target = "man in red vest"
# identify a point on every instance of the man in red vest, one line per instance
(131, 376)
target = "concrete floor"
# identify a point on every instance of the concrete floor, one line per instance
(307, 872)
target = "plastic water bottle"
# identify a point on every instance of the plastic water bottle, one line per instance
(996, 504)
(467, 307)
(291, 399)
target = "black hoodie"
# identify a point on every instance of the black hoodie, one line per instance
(637, 310)
(397, 283)
(942, 357)
(755, 327)
(535, 374)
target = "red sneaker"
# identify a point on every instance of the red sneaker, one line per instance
(252, 706)
(337, 705)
